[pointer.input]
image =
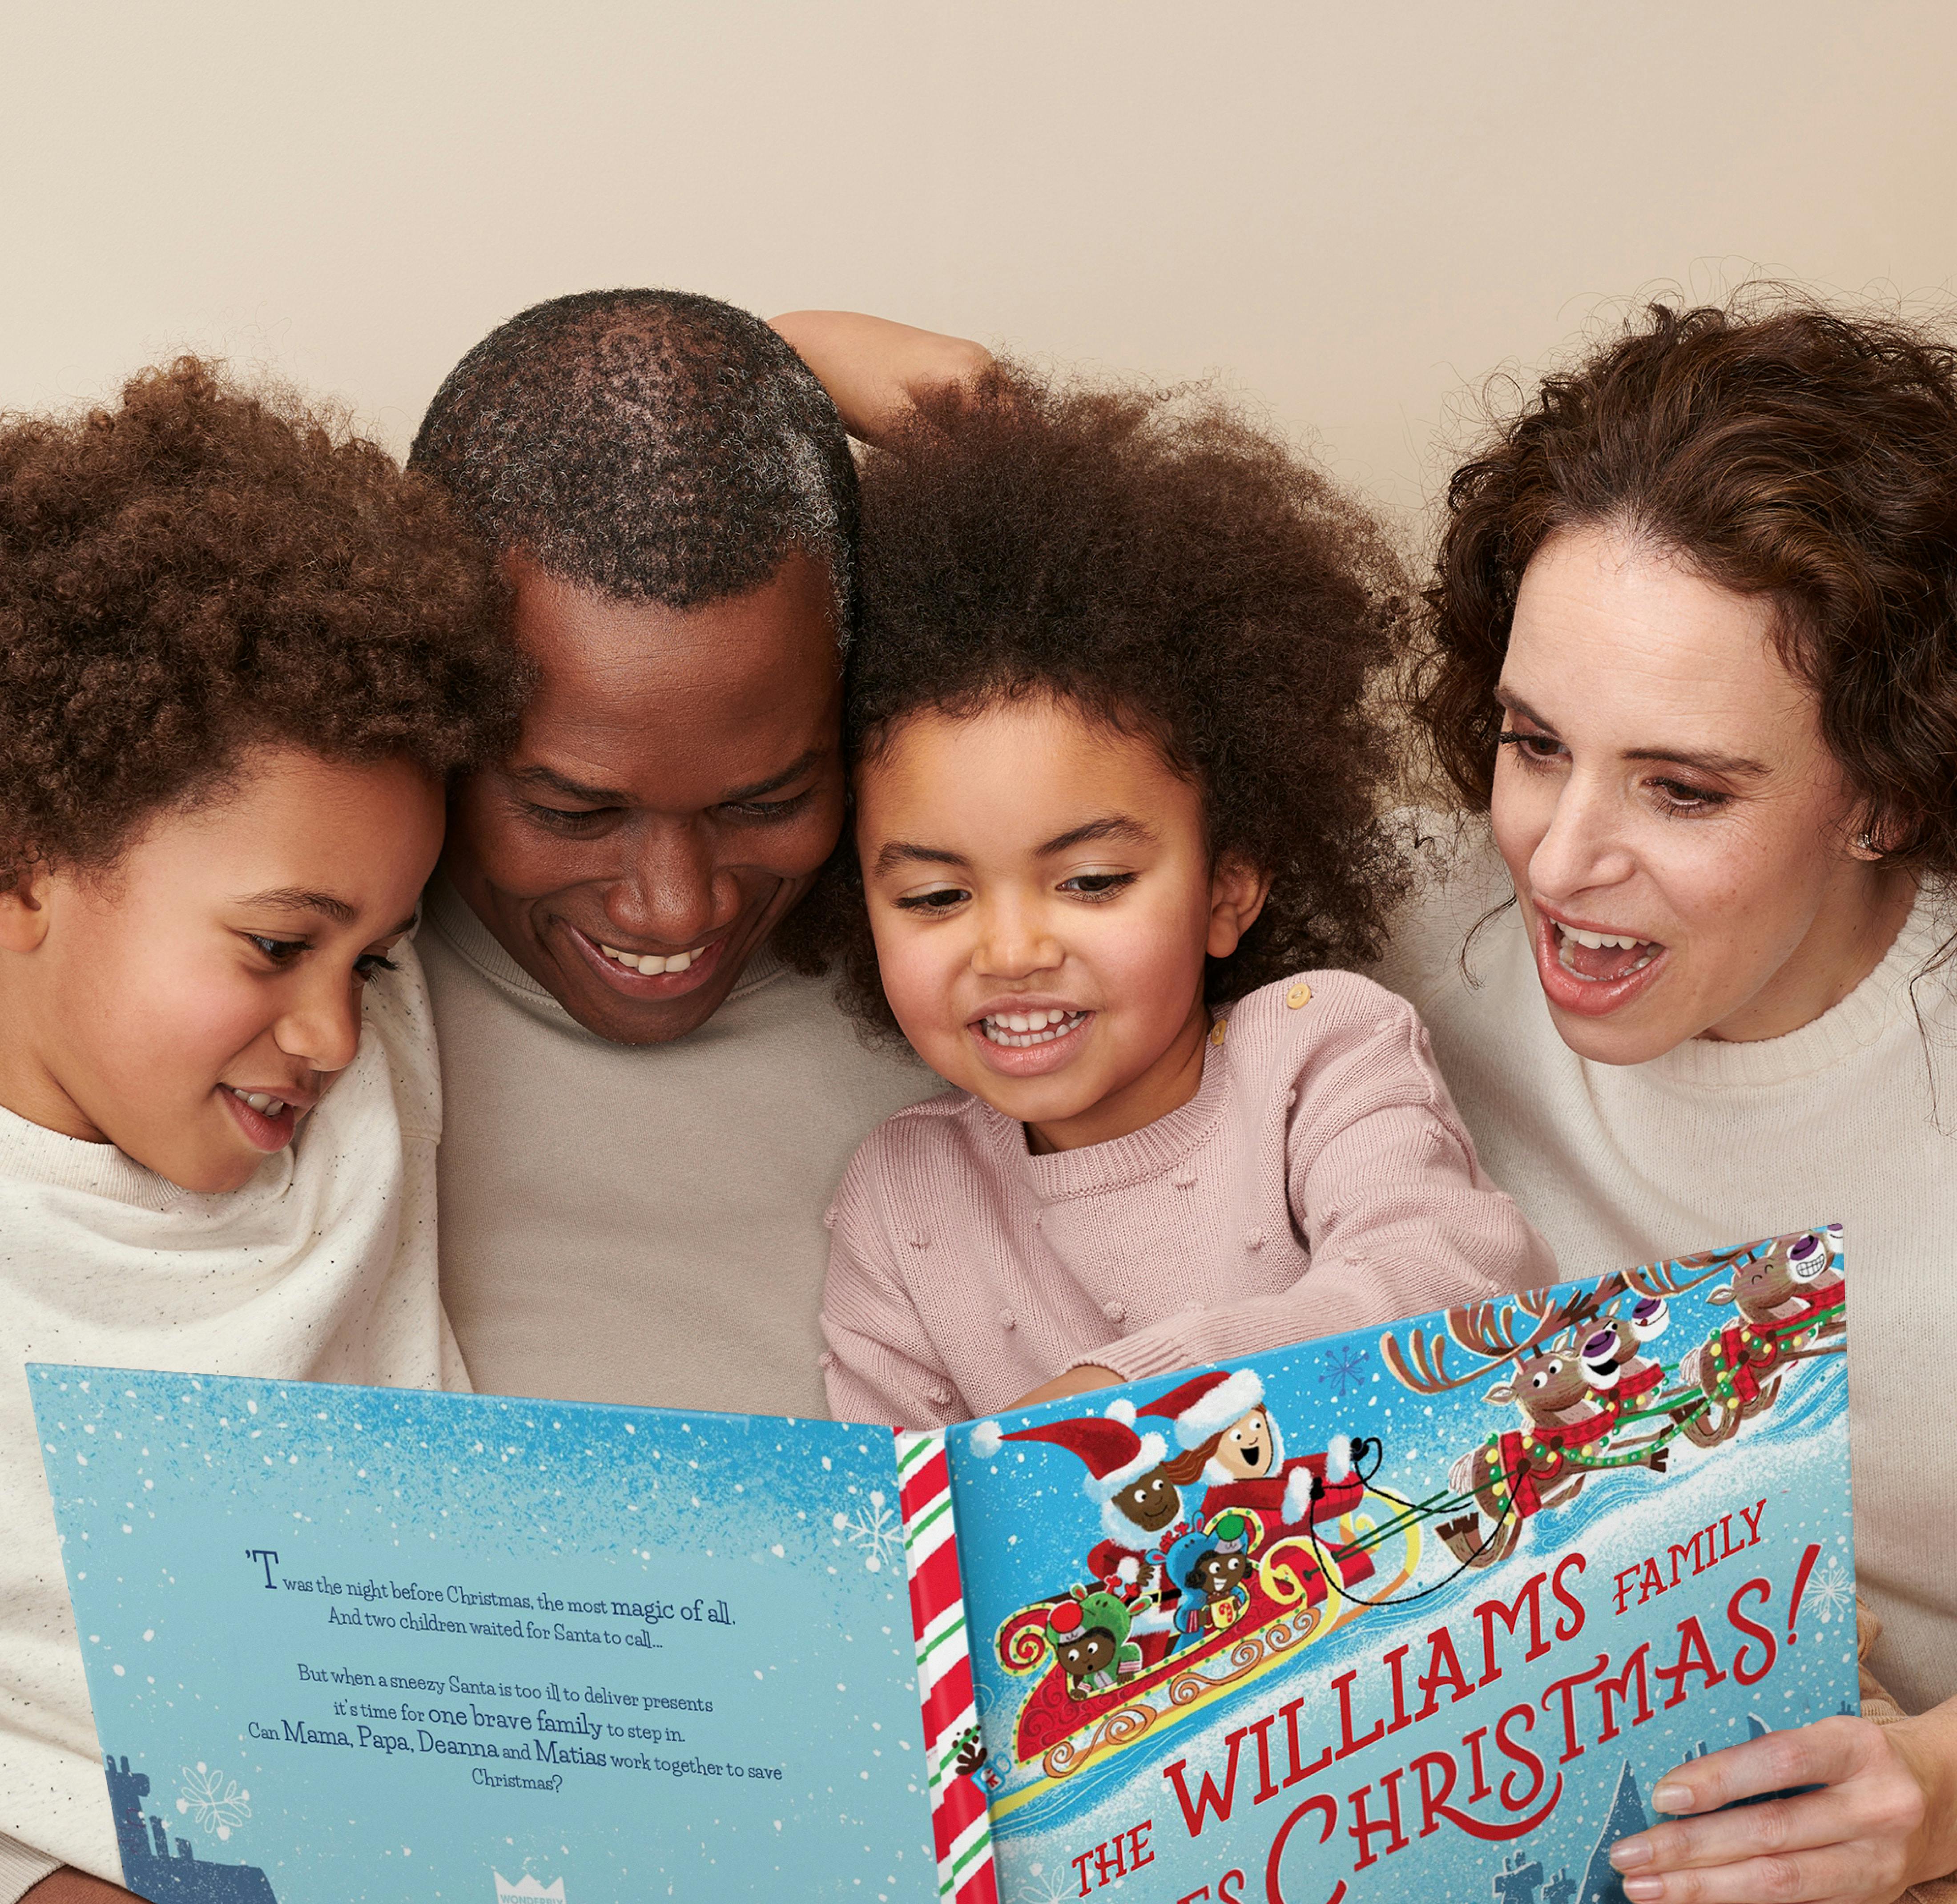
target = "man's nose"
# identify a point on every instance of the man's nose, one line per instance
(669, 892)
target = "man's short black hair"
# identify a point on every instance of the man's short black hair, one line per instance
(656, 445)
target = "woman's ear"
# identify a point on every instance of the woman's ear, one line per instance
(1237, 891)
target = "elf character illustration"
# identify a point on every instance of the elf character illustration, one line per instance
(1208, 1566)
(1089, 1633)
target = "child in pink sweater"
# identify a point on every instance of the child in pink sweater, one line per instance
(1115, 789)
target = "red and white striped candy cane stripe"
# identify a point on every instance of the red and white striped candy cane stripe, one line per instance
(959, 1824)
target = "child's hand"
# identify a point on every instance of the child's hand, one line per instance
(69, 1886)
(1076, 1381)
(875, 370)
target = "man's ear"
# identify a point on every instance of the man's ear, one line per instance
(1237, 891)
(24, 913)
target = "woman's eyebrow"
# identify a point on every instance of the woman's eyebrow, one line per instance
(1113, 826)
(1708, 760)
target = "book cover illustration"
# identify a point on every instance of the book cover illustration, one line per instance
(348, 1643)
(1422, 1614)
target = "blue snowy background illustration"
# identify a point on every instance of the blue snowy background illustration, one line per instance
(246, 1559)
(1028, 1517)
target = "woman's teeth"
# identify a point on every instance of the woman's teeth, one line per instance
(651, 963)
(265, 1105)
(1018, 1028)
(1570, 936)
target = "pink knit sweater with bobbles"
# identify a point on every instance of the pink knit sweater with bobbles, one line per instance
(1318, 1181)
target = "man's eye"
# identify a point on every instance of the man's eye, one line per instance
(566, 819)
(1096, 885)
(761, 811)
(940, 899)
(279, 951)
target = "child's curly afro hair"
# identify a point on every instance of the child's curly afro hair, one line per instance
(1157, 559)
(197, 570)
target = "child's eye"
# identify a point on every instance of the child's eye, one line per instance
(368, 963)
(279, 951)
(1096, 885)
(939, 898)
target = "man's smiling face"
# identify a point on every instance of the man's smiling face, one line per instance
(677, 785)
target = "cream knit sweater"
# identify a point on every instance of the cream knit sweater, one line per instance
(1715, 1143)
(321, 1269)
(1318, 1181)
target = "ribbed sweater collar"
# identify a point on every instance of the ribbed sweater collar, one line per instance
(1880, 1001)
(1095, 1167)
(453, 917)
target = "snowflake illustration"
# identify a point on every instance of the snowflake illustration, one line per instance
(1832, 1590)
(1038, 1889)
(1344, 1367)
(211, 1801)
(875, 1529)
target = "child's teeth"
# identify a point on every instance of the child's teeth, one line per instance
(261, 1102)
(1019, 1029)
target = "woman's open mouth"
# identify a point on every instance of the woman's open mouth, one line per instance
(1591, 971)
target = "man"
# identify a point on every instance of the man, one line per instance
(646, 1112)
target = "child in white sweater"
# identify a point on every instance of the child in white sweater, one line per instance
(238, 661)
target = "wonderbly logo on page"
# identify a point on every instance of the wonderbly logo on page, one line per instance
(528, 1888)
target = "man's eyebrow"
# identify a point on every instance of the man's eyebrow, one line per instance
(1113, 826)
(1708, 761)
(898, 853)
(795, 769)
(293, 899)
(595, 796)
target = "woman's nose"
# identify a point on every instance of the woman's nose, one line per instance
(1582, 848)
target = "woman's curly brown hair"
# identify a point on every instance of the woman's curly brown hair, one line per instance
(1171, 569)
(1783, 450)
(197, 570)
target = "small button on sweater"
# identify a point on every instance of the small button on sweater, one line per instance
(1318, 1181)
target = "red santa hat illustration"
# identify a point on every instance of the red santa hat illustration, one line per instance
(1203, 1407)
(1113, 1454)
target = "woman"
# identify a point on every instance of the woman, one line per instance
(1694, 656)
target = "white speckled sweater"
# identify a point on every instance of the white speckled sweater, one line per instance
(1318, 1181)
(321, 1269)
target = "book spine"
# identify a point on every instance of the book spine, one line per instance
(960, 1826)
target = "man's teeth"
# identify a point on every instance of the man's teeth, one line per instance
(1019, 1029)
(265, 1105)
(651, 963)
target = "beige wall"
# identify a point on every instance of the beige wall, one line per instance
(1347, 210)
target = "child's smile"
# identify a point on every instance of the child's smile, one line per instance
(1043, 900)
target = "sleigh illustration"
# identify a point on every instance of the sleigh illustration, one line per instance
(1304, 1585)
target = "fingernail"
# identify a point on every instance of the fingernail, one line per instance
(1672, 1797)
(1629, 1853)
(1644, 1888)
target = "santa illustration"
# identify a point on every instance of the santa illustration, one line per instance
(1140, 1509)
(1226, 1437)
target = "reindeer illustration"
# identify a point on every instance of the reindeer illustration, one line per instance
(1579, 1369)
(1791, 1299)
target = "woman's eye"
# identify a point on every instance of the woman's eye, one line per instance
(1677, 797)
(1096, 885)
(279, 951)
(940, 899)
(1534, 748)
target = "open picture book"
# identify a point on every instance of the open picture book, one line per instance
(1421, 1612)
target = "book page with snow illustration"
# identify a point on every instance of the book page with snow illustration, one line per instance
(384, 1645)
(1422, 1613)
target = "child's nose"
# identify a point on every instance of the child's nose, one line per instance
(1015, 940)
(324, 1028)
